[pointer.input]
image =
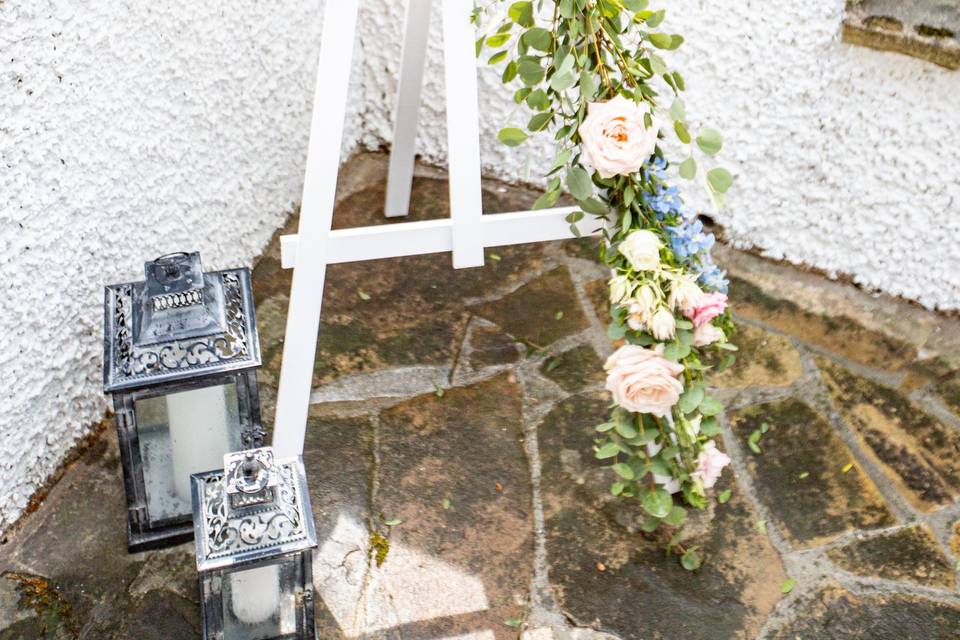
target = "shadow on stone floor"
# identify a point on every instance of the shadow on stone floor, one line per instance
(459, 407)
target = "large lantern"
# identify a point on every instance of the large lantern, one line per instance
(180, 356)
(255, 537)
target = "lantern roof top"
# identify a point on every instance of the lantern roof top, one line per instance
(178, 323)
(242, 515)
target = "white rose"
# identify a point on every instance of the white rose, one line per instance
(641, 307)
(642, 250)
(685, 294)
(663, 325)
(615, 139)
(637, 316)
(619, 289)
(706, 334)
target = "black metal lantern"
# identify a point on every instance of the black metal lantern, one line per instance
(255, 538)
(180, 356)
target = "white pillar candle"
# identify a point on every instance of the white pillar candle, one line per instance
(255, 594)
(198, 434)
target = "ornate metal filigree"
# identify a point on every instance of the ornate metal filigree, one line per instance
(189, 298)
(133, 362)
(280, 522)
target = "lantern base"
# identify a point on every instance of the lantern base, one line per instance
(169, 536)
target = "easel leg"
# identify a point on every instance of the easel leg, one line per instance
(316, 216)
(400, 175)
(463, 133)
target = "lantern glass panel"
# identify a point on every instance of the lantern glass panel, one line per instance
(181, 434)
(260, 603)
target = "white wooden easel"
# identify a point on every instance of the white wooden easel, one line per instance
(466, 233)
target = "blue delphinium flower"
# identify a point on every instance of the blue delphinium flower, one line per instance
(712, 277)
(665, 202)
(690, 242)
(689, 239)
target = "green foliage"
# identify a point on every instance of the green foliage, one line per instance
(559, 57)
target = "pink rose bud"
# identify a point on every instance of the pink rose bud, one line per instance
(710, 306)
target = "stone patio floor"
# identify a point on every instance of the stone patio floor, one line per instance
(462, 403)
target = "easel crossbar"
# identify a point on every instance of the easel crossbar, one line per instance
(436, 236)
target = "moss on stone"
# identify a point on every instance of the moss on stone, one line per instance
(910, 554)
(920, 454)
(799, 474)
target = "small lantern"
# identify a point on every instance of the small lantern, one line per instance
(255, 538)
(180, 357)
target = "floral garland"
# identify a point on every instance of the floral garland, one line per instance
(592, 76)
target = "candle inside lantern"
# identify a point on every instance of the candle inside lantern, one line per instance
(198, 433)
(255, 594)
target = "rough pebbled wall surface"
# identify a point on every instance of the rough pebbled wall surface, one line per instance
(844, 156)
(133, 130)
(128, 130)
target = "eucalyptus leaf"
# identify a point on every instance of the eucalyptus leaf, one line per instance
(578, 181)
(511, 136)
(624, 470)
(691, 560)
(609, 450)
(710, 141)
(710, 406)
(688, 168)
(658, 502)
(719, 179)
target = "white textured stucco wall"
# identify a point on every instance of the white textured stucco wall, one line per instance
(130, 130)
(846, 158)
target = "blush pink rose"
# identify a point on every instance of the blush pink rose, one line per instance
(710, 465)
(709, 307)
(706, 334)
(642, 380)
(615, 139)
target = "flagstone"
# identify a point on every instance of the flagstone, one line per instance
(918, 452)
(613, 578)
(540, 312)
(73, 558)
(802, 474)
(949, 391)
(338, 457)
(910, 554)
(575, 368)
(490, 346)
(765, 359)
(834, 613)
(453, 472)
(599, 294)
(583, 248)
(838, 334)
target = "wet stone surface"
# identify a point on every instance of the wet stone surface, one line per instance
(540, 312)
(837, 334)
(490, 346)
(598, 565)
(575, 368)
(463, 406)
(764, 359)
(919, 452)
(833, 614)
(910, 554)
(799, 474)
(453, 469)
